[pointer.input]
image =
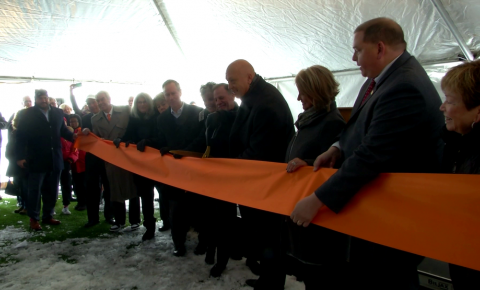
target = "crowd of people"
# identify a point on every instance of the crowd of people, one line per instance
(398, 124)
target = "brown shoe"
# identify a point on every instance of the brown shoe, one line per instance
(18, 210)
(52, 222)
(23, 211)
(34, 225)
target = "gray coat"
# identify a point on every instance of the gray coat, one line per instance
(121, 181)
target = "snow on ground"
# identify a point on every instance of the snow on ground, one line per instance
(122, 262)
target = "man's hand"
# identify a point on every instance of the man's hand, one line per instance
(305, 210)
(86, 131)
(117, 142)
(21, 163)
(327, 159)
(294, 164)
(141, 145)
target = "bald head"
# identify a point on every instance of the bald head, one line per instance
(239, 75)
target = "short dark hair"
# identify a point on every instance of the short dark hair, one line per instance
(224, 85)
(207, 87)
(40, 92)
(382, 29)
(79, 119)
(167, 82)
(464, 79)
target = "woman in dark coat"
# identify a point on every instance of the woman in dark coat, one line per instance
(142, 126)
(316, 253)
(461, 134)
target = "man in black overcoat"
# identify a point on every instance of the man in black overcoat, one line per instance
(262, 130)
(39, 131)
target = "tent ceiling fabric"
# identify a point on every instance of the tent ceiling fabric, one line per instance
(125, 40)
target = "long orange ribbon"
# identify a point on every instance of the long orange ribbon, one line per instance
(433, 215)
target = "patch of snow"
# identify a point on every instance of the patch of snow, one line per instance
(121, 262)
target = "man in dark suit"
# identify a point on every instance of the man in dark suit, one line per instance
(393, 128)
(177, 128)
(262, 130)
(39, 131)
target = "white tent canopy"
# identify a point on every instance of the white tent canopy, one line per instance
(145, 42)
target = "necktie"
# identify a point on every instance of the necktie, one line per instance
(109, 117)
(368, 92)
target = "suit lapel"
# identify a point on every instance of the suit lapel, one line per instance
(105, 125)
(242, 115)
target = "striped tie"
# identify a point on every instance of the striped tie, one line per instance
(368, 92)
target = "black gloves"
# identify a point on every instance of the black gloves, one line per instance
(141, 145)
(117, 142)
(164, 150)
(177, 156)
(128, 143)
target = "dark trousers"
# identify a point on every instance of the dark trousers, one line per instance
(163, 204)
(22, 180)
(44, 185)
(264, 243)
(218, 228)
(179, 204)
(80, 187)
(145, 192)
(120, 212)
(66, 183)
(464, 278)
(95, 176)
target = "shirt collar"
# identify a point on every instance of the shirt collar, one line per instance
(385, 69)
(179, 112)
(111, 111)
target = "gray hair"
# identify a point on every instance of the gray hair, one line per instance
(224, 85)
(103, 92)
(41, 92)
(167, 82)
(135, 113)
(207, 87)
(160, 98)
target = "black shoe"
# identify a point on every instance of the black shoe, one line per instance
(210, 257)
(149, 234)
(201, 249)
(216, 271)
(163, 228)
(254, 266)
(18, 210)
(251, 282)
(236, 257)
(179, 251)
(111, 221)
(91, 224)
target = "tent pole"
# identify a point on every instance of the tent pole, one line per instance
(168, 22)
(453, 28)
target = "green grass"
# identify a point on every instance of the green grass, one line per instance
(71, 226)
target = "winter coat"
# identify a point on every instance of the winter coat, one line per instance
(461, 154)
(140, 128)
(315, 244)
(68, 152)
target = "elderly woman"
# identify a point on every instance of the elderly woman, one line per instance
(317, 129)
(142, 126)
(461, 134)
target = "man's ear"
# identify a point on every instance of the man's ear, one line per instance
(250, 78)
(380, 49)
(477, 116)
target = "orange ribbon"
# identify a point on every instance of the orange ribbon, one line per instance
(433, 215)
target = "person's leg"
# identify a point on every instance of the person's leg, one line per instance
(134, 210)
(178, 217)
(92, 196)
(65, 184)
(35, 182)
(163, 205)
(107, 209)
(147, 195)
(49, 194)
(119, 212)
(80, 188)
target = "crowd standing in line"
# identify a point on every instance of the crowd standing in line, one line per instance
(398, 124)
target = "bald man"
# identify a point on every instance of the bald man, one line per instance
(262, 130)
(394, 127)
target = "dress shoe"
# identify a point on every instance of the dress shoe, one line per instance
(80, 207)
(179, 251)
(217, 271)
(111, 221)
(23, 211)
(34, 225)
(254, 266)
(251, 282)
(91, 224)
(52, 222)
(18, 210)
(201, 249)
(149, 234)
(163, 228)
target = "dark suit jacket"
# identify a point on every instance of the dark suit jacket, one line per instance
(42, 139)
(177, 134)
(395, 130)
(263, 126)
